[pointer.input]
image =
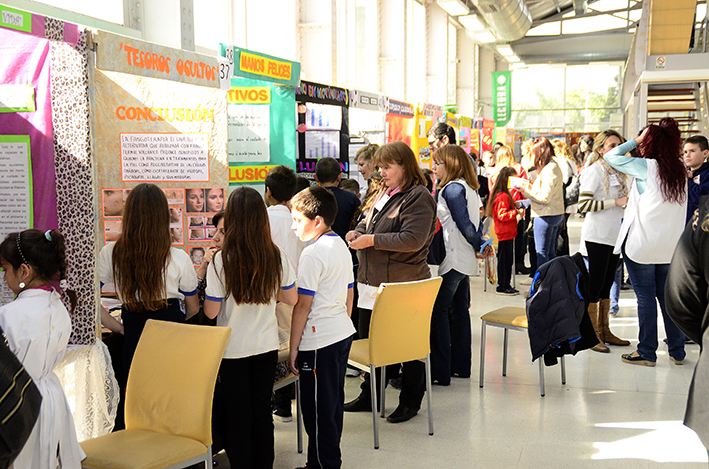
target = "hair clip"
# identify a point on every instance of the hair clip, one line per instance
(48, 235)
(19, 249)
(64, 284)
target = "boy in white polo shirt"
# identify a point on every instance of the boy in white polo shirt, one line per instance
(321, 333)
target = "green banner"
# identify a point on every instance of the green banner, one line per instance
(501, 98)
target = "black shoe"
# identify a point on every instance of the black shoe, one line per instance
(395, 383)
(438, 382)
(358, 405)
(522, 270)
(401, 414)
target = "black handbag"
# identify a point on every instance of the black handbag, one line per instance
(437, 249)
(20, 401)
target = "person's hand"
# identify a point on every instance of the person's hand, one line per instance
(362, 242)
(209, 255)
(641, 137)
(292, 361)
(352, 235)
(621, 202)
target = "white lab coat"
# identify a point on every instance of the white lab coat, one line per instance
(37, 326)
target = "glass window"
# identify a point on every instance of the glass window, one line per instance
(208, 30)
(107, 10)
(367, 77)
(452, 63)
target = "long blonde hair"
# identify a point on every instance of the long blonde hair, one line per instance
(505, 156)
(458, 165)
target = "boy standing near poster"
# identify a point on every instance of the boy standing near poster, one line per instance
(280, 186)
(321, 334)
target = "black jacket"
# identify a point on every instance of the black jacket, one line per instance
(556, 310)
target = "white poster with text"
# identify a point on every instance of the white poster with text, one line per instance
(175, 157)
(15, 184)
(249, 133)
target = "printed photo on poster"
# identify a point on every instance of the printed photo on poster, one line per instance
(111, 230)
(197, 254)
(214, 198)
(194, 200)
(195, 222)
(174, 196)
(113, 202)
(176, 215)
(209, 199)
(196, 234)
(177, 235)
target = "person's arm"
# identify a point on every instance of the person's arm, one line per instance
(109, 322)
(418, 220)
(350, 299)
(547, 181)
(288, 295)
(212, 307)
(454, 195)
(686, 286)
(191, 306)
(300, 318)
(214, 293)
(591, 180)
(501, 209)
(632, 166)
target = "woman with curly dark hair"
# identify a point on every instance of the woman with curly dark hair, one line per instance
(652, 226)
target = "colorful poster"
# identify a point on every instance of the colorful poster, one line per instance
(322, 144)
(15, 184)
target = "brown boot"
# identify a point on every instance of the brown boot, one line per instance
(593, 314)
(604, 311)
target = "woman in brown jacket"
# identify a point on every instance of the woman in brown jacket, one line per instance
(393, 245)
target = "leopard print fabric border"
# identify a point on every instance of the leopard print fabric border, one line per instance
(53, 29)
(74, 178)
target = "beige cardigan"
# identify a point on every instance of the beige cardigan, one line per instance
(547, 192)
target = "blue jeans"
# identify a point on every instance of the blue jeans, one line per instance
(649, 283)
(451, 339)
(615, 288)
(546, 230)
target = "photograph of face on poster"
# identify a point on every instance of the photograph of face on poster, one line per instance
(176, 215)
(176, 235)
(197, 254)
(111, 230)
(113, 202)
(174, 196)
(196, 234)
(204, 200)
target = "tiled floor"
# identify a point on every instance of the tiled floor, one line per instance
(609, 414)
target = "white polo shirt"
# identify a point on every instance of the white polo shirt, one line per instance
(254, 328)
(281, 221)
(325, 273)
(180, 276)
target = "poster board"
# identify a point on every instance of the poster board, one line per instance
(400, 123)
(465, 133)
(323, 126)
(162, 131)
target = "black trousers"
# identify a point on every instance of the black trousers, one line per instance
(413, 374)
(247, 384)
(504, 262)
(521, 243)
(602, 264)
(322, 382)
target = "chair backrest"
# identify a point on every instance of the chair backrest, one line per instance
(400, 329)
(171, 381)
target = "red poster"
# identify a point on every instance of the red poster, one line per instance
(398, 129)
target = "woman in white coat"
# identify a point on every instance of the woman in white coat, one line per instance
(37, 326)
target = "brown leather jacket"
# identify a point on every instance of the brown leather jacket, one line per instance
(402, 230)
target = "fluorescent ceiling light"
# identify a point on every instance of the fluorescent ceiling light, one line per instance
(471, 22)
(454, 7)
(485, 37)
(505, 50)
(512, 58)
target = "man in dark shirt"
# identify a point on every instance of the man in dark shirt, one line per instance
(328, 175)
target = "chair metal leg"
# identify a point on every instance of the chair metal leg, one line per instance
(541, 375)
(428, 393)
(382, 395)
(482, 354)
(298, 418)
(375, 420)
(563, 370)
(504, 352)
(485, 275)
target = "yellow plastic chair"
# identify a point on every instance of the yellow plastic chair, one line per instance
(400, 331)
(168, 401)
(510, 318)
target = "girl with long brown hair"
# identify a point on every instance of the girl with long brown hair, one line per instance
(652, 225)
(246, 279)
(458, 209)
(151, 278)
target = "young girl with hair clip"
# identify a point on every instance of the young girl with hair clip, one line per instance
(152, 279)
(459, 213)
(651, 227)
(501, 207)
(37, 326)
(246, 279)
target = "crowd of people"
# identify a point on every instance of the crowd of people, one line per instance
(301, 269)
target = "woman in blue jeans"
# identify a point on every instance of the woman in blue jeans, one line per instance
(547, 196)
(652, 226)
(459, 213)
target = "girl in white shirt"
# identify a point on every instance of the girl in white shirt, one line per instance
(603, 194)
(246, 279)
(151, 277)
(37, 326)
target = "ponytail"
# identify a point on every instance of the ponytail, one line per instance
(57, 240)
